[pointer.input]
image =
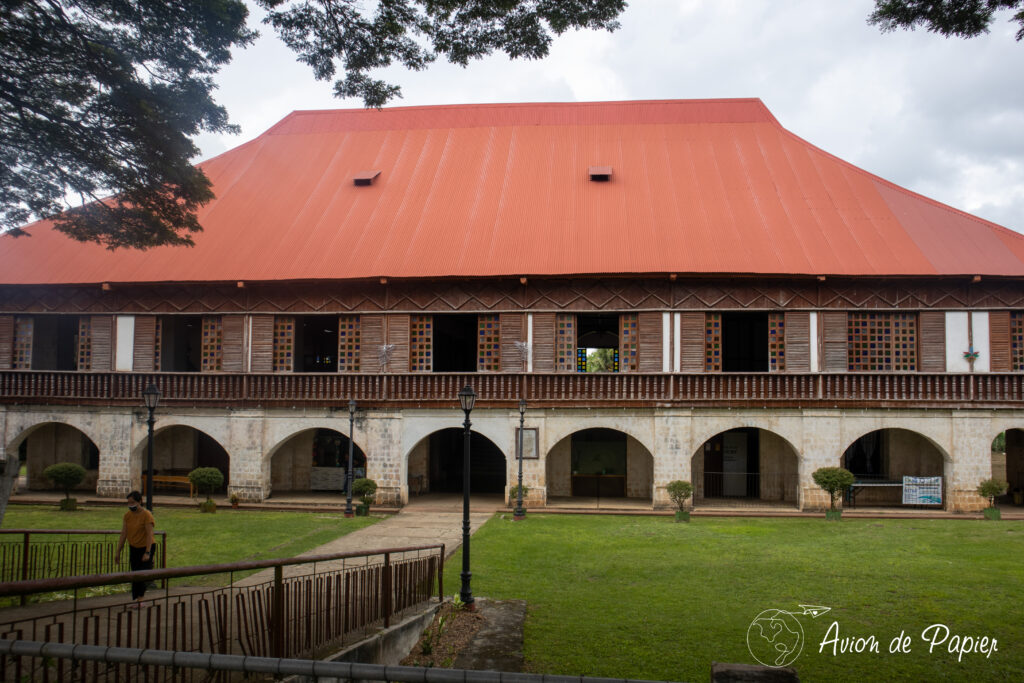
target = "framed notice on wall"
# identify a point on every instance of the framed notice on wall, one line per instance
(922, 490)
(529, 443)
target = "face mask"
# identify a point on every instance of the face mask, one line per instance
(133, 508)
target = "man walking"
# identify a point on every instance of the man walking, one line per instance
(137, 529)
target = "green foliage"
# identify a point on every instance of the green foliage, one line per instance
(206, 479)
(365, 489)
(601, 360)
(834, 480)
(100, 99)
(679, 492)
(990, 488)
(945, 17)
(65, 476)
(999, 443)
(513, 493)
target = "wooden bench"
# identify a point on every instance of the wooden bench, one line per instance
(167, 481)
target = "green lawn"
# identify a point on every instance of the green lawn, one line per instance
(648, 598)
(196, 538)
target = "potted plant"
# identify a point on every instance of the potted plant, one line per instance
(366, 490)
(990, 488)
(234, 500)
(66, 476)
(834, 480)
(679, 492)
(207, 480)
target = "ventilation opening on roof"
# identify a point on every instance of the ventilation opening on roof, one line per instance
(600, 174)
(365, 177)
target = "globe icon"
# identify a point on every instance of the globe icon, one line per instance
(775, 638)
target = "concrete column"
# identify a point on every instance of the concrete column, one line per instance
(822, 447)
(385, 462)
(118, 436)
(672, 452)
(248, 478)
(971, 460)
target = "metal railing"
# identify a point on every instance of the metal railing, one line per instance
(272, 668)
(500, 389)
(27, 554)
(310, 606)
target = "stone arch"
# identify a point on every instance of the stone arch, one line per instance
(179, 448)
(880, 458)
(434, 463)
(706, 428)
(626, 465)
(313, 458)
(746, 465)
(50, 442)
(1008, 463)
(556, 431)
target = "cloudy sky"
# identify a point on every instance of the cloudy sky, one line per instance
(943, 117)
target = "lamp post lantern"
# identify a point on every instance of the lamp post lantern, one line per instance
(151, 397)
(348, 471)
(467, 398)
(519, 513)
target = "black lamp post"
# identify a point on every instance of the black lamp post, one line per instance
(151, 396)
(519, 513)
(467, 397)
(348, 472)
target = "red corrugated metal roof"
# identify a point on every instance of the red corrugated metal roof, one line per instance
(708, 187)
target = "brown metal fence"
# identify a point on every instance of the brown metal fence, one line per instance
(310, 606)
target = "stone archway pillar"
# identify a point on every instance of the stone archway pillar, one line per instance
(118, 435)
(383, 439)
(970, 461)
(822, 447)
(244, 446)
(673, 430)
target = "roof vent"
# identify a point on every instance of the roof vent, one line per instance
(365, 177)
(600, 174)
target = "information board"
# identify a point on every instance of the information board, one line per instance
(922, 490)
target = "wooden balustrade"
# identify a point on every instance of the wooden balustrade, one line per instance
(545, 389)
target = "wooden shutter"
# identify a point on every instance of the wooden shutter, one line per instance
(371, 338)
(398, 334)
(6, 341)
(999, 341)
(798, 341)
(262, 343)
(233, 343)
(691, 342)
(142, 354)
(102, 332)
(932, 341)
(651, 342)
(543, 342)
(835, 331)
(511, 332)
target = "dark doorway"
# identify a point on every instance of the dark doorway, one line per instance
(209, 453)
(598, 462)
(455, 344)
(732, 464)
(486, 469)
(745, 342)
(55, 342)
(181, 343)
(866, 457)
(316, 340)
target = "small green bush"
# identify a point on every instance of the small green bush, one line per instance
(365, 489)
(679, 492)
(834, 480)
(206, 479)
(990, 488)
(65, 476)
(513, 494)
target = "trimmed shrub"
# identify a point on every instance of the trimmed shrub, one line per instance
(679, 492)
(513, 494)
(206, 479)
(835, 480)
(365, 489)
(990, 488)
(65, 476)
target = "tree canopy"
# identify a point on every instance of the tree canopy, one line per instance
(961, 18)
(100, 99)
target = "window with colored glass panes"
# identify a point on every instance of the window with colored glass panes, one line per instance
(628, 343)
(565, 342)
(212, 355)
(1017, 340)
(22, 359)
(713, 342)
(882, 341)
(84, 343)
(488, 356)
(777, 342)
(421, 343)
(284, 343)
(348, 343)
